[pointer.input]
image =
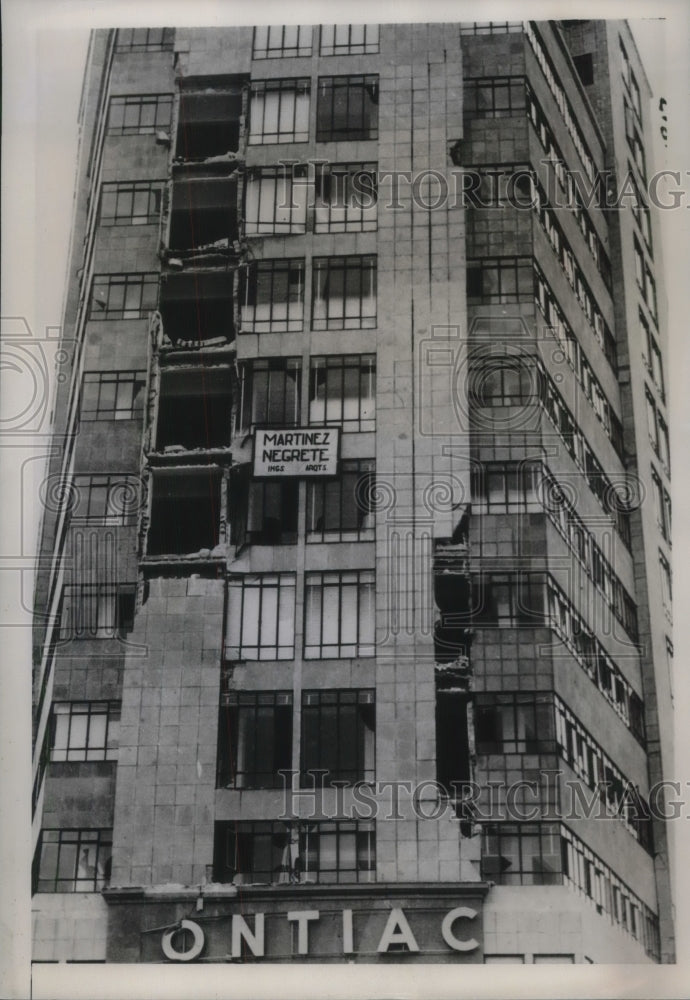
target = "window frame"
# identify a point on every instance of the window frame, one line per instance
(284, 368)
(132, 411)
(277, 188)
(351, 642)
(162, 116)
(368, 46)
(145, 282)
(320, 396)
(101, 837)
(244, 745)
(353, 212)
(324, 727)
(288, 89)
(110, 615)
(120, 189)
(331, 497)
(266, 50)
(266, 273)
(104, 749)
(365, 126)
(151, 42)
(284, 585)
(117, 489)
(335, 274)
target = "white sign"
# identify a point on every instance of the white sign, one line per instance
(297, 451)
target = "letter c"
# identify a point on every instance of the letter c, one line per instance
(172, 953)
(449, 937)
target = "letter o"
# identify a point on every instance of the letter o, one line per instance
(449, 937)
(183, 956)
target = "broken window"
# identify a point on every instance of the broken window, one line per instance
(185, 512)
(260, 621)
(342, 391)
(341, 510)
(273, 296)
(278, 40)
(344, 293)
(139, 115)
(74, 860)
(97, 610)
(197, 307)
(276, 200)
(270, 393)
(338, 735)
(279, 111)
(194, 409)
(349, 39)
(105, 499)
(452, 742)
(272, 509)
(514, 722)
(254, 739)
(84, 730)
(584, 64)
(209, 122)
(130, 203)
(145, 39)
(345, 198)
(340, 610)
(347, 108)
(204, 213)
(123, 296)
(247, 852)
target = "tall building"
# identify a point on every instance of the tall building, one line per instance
(353, 602)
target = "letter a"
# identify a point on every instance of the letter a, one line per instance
(397, 931)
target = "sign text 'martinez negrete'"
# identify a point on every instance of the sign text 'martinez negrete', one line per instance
(297, 451)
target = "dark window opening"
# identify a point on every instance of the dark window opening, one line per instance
(272, 513)
(452, 743)
(73, 860)
(452, 638)
(338, 735)
(204, 213)
(584, 65)
(209, 124)
(254, 739)
(197, 308)
(514, 723)
(341, 509)
(270, 393)
(194, 410)
(185, 513)
(347, 108)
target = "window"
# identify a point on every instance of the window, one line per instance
(337, 853)
(554, 959)
(255, 738)
(345, 198)
(139, 115)
(656, 366)
(338, 735)
(123, 296)
(273, 296)
(507, 488)
(349, 39)
(510, 599)
(452, 740)
(275, 852)
(502, 380)
(499, 279)
(343, 293)
(106, 499)
(185, 512)
(347, 108)
(196, 308)
(342, 391)
(521, 853)
(585, 68)
(279, 111)
(278, 40)
(652, 425)
(490, 27)
(270, 393)
(145, 39)
(203, 216)
(261, 617)
(493, 96)
(84, 730)
(276, 200)
(341, 510)
(74, 860)
(97, 611)
(666, 583)
(272, 512)
(340, 614)
(664, 451)
(209, 120)
(130, 203)
(514, 723)
(662, 506)
(504, 960)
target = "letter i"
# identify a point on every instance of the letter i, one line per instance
(348, 936)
